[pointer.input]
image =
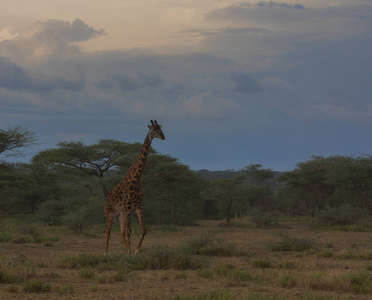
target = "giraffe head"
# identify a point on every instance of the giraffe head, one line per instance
(155, 131)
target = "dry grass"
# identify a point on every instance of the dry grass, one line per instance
(204, 262)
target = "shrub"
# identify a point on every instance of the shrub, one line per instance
(119, 276)
(206, 245)
(288, 243)
(360, 282)
(342, 215)
(287, 282)
(327, 254)
(36, 286)
(83, 261)
(240, 275)
(6, 277)
(217, 295)
(287, 265)
(224, 270)
(162, 258)
(205, 273)
(263, 219)
(262, 263)
(87, 273)
(154, 258)
(4, 238)
(69, 289)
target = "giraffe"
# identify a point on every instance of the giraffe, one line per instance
(126, 197)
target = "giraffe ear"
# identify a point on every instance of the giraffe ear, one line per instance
(149, 126)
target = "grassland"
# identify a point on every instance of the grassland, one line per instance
(208, 261)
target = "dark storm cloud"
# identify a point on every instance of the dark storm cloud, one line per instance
(152, 79)
(244, 83)
(13, 77)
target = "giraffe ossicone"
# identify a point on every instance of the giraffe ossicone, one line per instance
(126, 197)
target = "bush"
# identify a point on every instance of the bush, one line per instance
(263, 219)
(6, 277)
(287, 282)
(36, 286)
(217, 295)
(342, 215)
(87, 273)
(154, 258)
(360, 282)
(206, 245)
(292, 244)
(262, 263)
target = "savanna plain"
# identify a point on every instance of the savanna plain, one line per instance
(211, 260)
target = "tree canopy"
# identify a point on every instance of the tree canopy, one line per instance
(14, 138)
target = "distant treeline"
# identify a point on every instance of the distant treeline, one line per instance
(67, 185)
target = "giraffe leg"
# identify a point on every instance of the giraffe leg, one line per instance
(143, 228)
(125, 232)
(108, 231)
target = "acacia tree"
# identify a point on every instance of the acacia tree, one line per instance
(310, 184)
(352, 180)
(14, 138)
(257, 175)
(172, 189)
(258, 193)
(92, 160)
(227, 192)
(13, 183)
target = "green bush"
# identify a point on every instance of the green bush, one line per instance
(288, 243)
(342, 215)
(217, 295)
(287, 282)
(240, 275)
(87, 273)
(205, 273)
(263, 264)
(206, 245)
(361, 282)
(154, 258)
(36, 286)
(263, 219)
(6, 277)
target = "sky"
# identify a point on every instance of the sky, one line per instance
(232, 83)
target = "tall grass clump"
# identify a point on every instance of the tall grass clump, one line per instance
(163, 258)
(83, 261)
(360, 282)
(263, 219)
(36, 286)
(263, 264)
(288, 243)
(216, 295)
(6, 277)
(205, 244)
(154, 258)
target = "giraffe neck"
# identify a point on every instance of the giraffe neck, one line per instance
(135, 171)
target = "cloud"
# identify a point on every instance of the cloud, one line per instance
(208, 105)
(225, 31)
(276, 4)
(244, 83)
(14, 77)
(51, 39)
(127, 83)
